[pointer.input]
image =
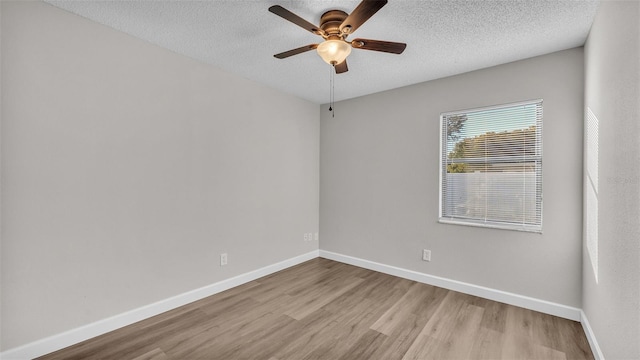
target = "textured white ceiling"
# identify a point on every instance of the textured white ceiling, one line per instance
(444, 37)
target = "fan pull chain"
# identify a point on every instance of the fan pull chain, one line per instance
(332, 90)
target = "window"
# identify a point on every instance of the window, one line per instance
(491, 167)
(591, 188)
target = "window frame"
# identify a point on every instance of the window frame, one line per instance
(534, 228)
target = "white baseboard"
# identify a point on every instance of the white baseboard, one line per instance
(526, 302)
(74, 336)
(591, 337)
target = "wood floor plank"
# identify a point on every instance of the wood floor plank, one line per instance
(155, 354)
(322, 309)
(517, 347)
(450, 333)
(336, 333)
(261, 343)
(571, 339)
(225, 327)
(364, 347)
(399, 342)
(418, 299)
(380, 291)
(495, 313)
(346, 336)
(488, 344)
(309, 301)
(313, 332)
(543, 330)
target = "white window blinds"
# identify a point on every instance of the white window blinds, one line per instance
(491, 167)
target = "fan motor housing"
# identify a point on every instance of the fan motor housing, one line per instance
(331, 20)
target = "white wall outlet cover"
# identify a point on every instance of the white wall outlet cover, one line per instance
(223, 259)
(426, 255)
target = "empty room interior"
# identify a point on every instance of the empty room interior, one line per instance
(214, 180)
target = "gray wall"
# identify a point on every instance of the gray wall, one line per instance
(1, 320)
(612, 303)
(127, 169)
(379, 180)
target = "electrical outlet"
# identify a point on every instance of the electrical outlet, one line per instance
(316, 236)
(426, 255)
(306, 236)
(223, 259)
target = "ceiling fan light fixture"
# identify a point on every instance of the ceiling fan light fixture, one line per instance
(334, 52)
(335, 26)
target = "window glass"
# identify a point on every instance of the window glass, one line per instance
(491, 167)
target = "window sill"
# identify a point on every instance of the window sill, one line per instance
(492, 225)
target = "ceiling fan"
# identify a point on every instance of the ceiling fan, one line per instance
(335, 26)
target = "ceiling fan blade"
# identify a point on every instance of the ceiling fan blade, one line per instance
(360, 14)
(342, 67)
(288, 15)
(296, 51)
(378, 45)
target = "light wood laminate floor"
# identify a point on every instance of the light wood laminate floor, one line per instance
(323, 309)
